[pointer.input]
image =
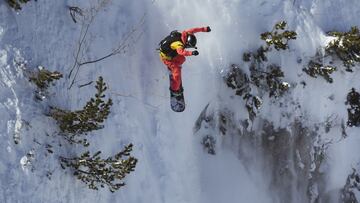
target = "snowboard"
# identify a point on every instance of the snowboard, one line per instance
(177, 102)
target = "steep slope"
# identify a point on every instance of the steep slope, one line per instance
(254, 163)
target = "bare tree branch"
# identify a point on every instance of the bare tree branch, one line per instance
(86, 84)
(74, 11)
(132, 36)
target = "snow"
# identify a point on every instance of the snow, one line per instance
(172, 167)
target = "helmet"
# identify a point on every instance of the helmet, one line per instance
(191, 40)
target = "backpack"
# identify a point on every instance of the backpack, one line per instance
(164, 45)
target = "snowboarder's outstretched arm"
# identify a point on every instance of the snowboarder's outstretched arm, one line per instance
(198, 29)
(191, 31)
(183, 52)
(179, 47)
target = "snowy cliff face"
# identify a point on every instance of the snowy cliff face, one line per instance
(296, 149)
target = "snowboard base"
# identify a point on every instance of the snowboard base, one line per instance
(177, 102)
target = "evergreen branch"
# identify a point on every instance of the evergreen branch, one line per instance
(90, 118)
(16, 3)
(95, 171)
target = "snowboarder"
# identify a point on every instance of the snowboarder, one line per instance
(172, 54)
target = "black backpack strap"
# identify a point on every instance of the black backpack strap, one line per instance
(164, 44)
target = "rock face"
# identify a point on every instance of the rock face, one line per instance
(291, 158)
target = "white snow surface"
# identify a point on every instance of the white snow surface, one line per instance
(172, 166)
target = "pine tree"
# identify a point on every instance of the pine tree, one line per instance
(209, 143)
(277, 38)
(96, 172)
(351, 188)
(269, 77)
(43, 78)
(270, 80)
(263, 75)
(16, 3)
(91, 117)
(240, 82)
(346, 47)
(253, 104)
(353, 100)
(315, 68)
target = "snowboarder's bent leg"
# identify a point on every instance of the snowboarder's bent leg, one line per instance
(174, 66)
(179, 60)
(177, 102)
(175, 79)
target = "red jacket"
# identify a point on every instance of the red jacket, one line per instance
(180, 46)
(184, 35)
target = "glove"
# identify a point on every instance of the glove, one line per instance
(195, 53)
(208, 29)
